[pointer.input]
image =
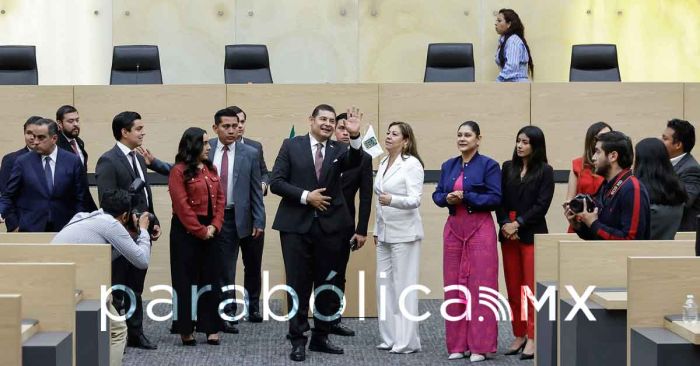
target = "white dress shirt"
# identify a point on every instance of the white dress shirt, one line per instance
(126, 152)
(52, 163)
(80, 152)
(218, 155)
(678, 158)
(354, 143)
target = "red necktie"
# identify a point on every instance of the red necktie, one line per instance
(224, 173)
(318, 160)
(74, 145)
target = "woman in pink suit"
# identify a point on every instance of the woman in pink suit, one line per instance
(470, 187)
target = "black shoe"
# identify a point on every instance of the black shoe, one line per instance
(213, 342)
(323, 344)
(140, 341)
(298, 353)
(516, 351)
(188, 342)
(525, 356)
(341, 330)
(230, 328)
(255, 317)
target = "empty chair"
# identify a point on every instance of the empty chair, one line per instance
(449, 62)
(18, 65)
(594, 62)
(135, 65)
(247, 63)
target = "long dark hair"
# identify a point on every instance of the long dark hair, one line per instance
(411, 148)
(517, 28)
(536, 160)
(653, 168)
(189, 149)
(591, 139)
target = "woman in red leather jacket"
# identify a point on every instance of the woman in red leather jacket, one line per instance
(198, 213)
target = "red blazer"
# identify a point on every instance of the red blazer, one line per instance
(190, 198)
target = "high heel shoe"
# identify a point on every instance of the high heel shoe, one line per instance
(188, 342)
(516, 351)
(525, 356)
(213, 341)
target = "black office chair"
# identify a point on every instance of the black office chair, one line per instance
(449, 62)
(18, 65)
(594, 62)
(135, 65)
(247, 63)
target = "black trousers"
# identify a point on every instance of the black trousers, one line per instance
(252, 252)
(194, 261)
(309, 260)
(228, 244)
(124, 273)
(342, 268)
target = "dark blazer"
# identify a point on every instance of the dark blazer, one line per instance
(64, 144)
(8, 161)
(359, 178)
(688, 171)
(264, 173)
(294, 172)
(114, 171)
(529, 199)
(28, 193)
(481, 182)
(247, 188)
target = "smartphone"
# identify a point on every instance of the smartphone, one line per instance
(353, 244)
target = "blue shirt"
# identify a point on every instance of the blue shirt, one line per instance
(481, 182)
(517, 57)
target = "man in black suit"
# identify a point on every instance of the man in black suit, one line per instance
(68, 121)
(313, 221)
(8, 161)
(117, 169)
(679, 138)
(353, 180)
(47, 185)
(252, 247)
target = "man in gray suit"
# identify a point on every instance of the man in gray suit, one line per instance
(251, 247)
(679, 138)
(244, 214)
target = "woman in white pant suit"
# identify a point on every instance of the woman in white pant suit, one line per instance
(398, 232)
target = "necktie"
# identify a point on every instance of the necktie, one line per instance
(132, 155)
(224, 173)
(74, 145)
(48, 174)
(318, 160)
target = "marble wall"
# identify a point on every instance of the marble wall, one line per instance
(339, 41)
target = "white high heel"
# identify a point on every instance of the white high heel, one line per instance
(475, 357)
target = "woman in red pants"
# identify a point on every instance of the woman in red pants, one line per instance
(527, 188)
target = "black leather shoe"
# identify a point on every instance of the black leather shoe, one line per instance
(188, 342)
(341, 330)
(230, 328)
(140, 341)
(525, 356)
(213, 341)
(255, 317)
(323, 344)
(298, 353)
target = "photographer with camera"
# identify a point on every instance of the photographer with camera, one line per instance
(620, 208)
(109, 225)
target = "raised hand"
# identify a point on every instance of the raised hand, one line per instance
(354, 122)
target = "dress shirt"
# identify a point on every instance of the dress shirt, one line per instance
(354, 143)
(126, 152)
(678, 158)
(218, 155)
(517, 58)
(77, 146)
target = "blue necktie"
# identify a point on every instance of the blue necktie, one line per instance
(47, 173)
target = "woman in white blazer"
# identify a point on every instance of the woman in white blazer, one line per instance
(398, 231)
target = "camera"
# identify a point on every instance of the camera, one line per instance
(137, 186)
(576, 204)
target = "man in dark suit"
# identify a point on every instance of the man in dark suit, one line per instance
(8, 161)
(47, 185)
(244, 215)
(68, 121)
(252, 247)
(117, 169)
(679, 138)
(313, 221)
(353, 180)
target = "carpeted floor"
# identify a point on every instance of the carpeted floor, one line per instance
(265, 344)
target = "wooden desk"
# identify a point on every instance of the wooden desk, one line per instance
(611, 300)
(29, 328)
(690, 332)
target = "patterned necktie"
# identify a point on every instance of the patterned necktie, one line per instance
(318, 160)
(133, 164)
(74, 145)
(48, 174)
(224, 173)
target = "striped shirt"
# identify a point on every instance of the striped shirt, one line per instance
(98, 227)
(517, 57)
